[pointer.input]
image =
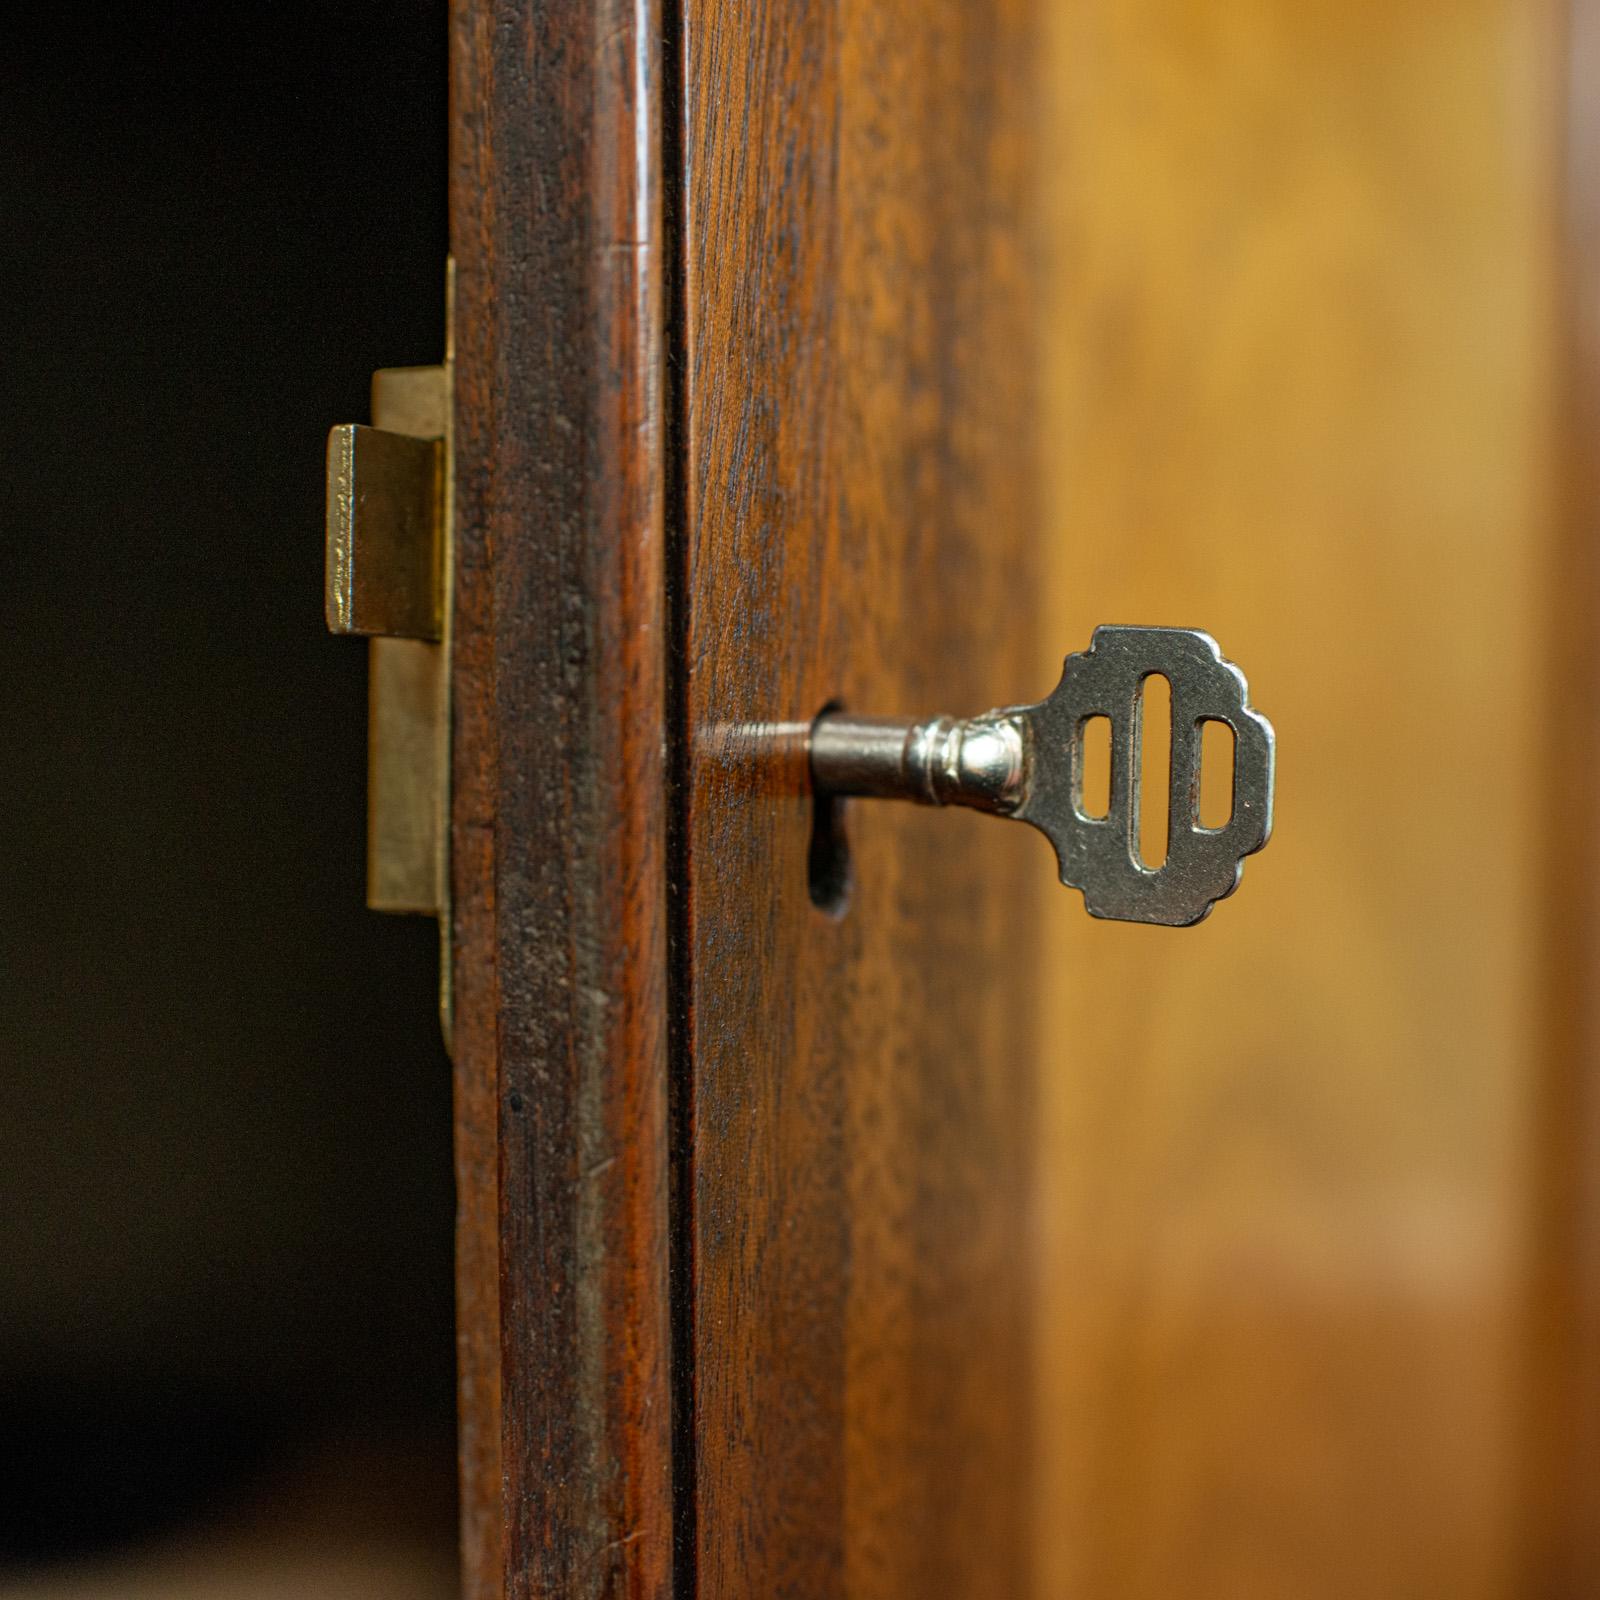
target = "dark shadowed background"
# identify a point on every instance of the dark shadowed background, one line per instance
(224, 1108)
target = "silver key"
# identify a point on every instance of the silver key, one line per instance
(1027, 762)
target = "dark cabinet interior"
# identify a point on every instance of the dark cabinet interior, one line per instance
(224, 1108)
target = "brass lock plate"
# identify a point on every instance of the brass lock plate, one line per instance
(388, 578)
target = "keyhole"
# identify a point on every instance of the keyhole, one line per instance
(828, 859)
(1155, 769)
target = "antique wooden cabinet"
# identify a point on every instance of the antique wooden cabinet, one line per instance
(842, 1214)
(839, 1214)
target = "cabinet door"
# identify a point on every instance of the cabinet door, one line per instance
(742, 430)
(762, 310)
(563, 745)
(854, 525)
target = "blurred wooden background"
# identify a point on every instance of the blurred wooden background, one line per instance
(1313, 1221)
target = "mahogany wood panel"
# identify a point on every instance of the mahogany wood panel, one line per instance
(1306, 388)
(1562, 1541)
(559, 801)
(854, 394)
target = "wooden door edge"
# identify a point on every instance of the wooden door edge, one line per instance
(558, 813)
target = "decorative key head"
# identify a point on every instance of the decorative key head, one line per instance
(1100, 855)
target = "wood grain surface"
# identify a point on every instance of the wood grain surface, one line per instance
(1306, 390)
(559, 799)
(1315, 1213)
(1561, 1543)
(855, 402)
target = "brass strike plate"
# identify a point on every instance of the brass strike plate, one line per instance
(389, 577)
(385, 512)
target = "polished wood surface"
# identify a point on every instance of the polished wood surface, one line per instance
(1010, 1252)
(1304, 390)
(559, 800)
(1562, 1541)
(856, 414)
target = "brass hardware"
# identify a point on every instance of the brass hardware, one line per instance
(389, 577)
(384, 511)
(406, 777)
